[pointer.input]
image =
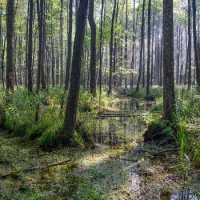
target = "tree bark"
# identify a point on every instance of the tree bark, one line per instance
(111, 48)
(72, 102)
(61, 45)
(189, 46)
(195, 45)
(69, 47)
(168, 60)
(92, 48)
(30, 46)
(149, 50)
(141, 49)
(10, 18)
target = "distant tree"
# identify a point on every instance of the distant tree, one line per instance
(41, 52)
(168, 60)
(111, 47)
(30, 45)
(149, 51)
(10, 19)
(92, 48)
(69, 47)
(61, 45)
(72, 102)
(189, 46)
(100, 50)
(197, 59)
(141, 48)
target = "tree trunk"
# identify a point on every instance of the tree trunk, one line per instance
(141, 48)
(61, 45)
(30, 46)
(189, 46)
(111, 48)
(72, 102)
(168, 60)
(10, 15)
(92, 48)
(69, 47)
(101, 51)
(149, 51)
(195, 45)
(41, 52)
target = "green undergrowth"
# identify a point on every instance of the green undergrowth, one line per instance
(182, 131)
(17, 114)
(156, 92)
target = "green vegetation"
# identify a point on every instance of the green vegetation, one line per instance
(17, 114)
(183, 131)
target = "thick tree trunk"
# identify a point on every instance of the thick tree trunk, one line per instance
(10, 18)
(168, 60)
(72, 102)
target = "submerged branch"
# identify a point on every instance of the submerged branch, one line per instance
(34, 168)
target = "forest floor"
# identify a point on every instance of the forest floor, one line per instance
(101, 173)
(117, 166)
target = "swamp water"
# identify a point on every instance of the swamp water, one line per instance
(124, 125)
(119, 167)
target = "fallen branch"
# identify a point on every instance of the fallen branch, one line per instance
(165, 151)
(34, 168)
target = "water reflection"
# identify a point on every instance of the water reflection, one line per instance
(116, 131)
(122, 125)
(186, 194)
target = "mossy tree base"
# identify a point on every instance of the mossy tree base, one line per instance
(162, 130)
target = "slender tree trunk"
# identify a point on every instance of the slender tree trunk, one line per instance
(61, 45)
(2, 61)
(126, 43)
(189, 46)
(41, 52)
(92, 48)
(30, 46)
(197, 59)
(111, 48)
(152, 54)
(177, 55)
(149, 50)
(133, 43)
(69, 47)
(1, 44)
(101, 51)
(141, 48)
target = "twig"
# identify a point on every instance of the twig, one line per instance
(165, 151)
(34, 168)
